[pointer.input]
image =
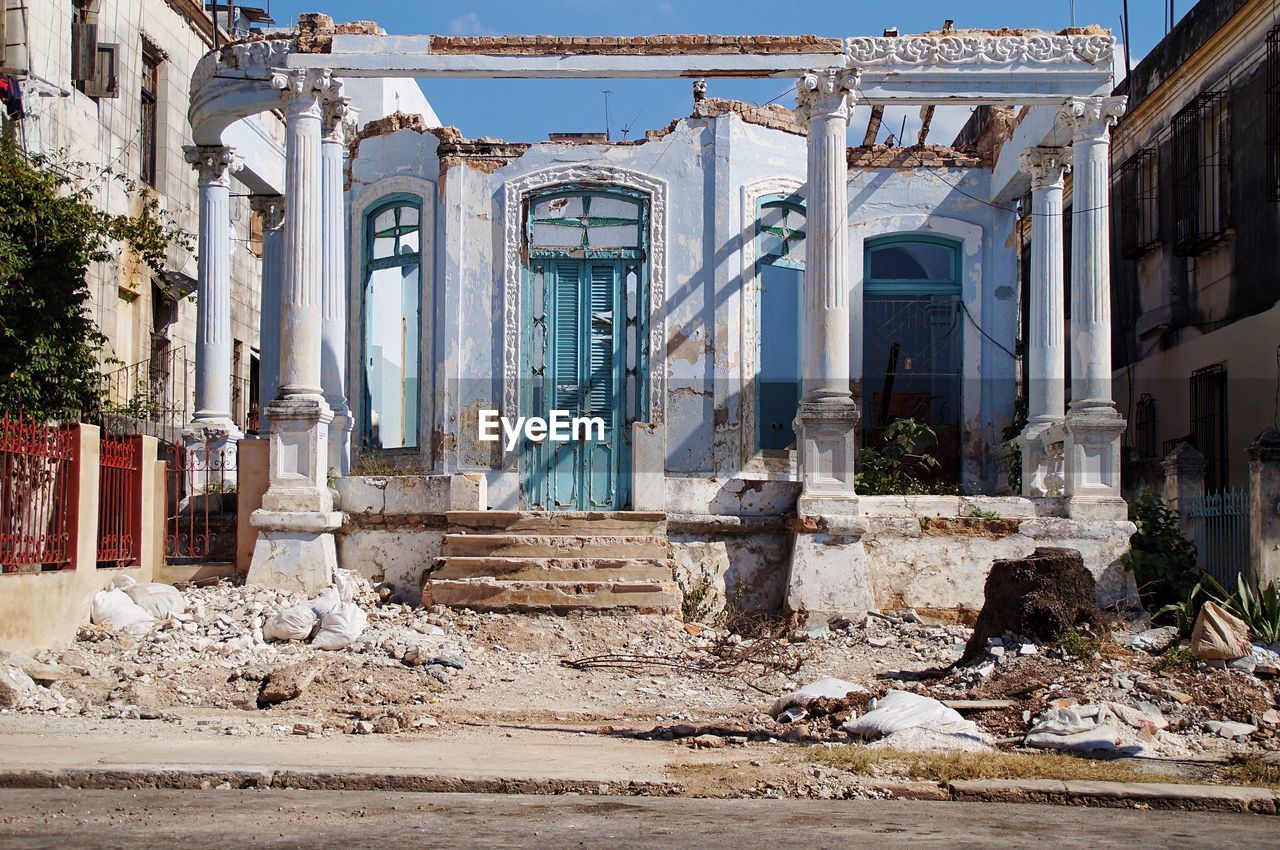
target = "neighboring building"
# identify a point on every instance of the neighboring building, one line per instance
(1196, 269)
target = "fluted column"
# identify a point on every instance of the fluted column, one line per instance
(1046, 355)
(828, 569)
(827, 417)
(295, 548)
(212, 420)
(271, 208)
(1093, 425)
(339, 119)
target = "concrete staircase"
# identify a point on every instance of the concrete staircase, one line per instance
(554, 561)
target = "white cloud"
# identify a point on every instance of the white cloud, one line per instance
(469, 24)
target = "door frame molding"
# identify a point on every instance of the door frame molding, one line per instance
(591, 176)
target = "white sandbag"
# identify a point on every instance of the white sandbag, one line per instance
(158, 599)
(832, 688)
(325, 602)
(296, 623)
(122, 581)
(115, 610)
(898, 710)
(340, 626)
(346, 582)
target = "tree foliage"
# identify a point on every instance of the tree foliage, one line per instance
(51, 233)
(1163, 561)
(902, 465)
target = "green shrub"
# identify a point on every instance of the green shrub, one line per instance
(1162, 560)
(898, 467)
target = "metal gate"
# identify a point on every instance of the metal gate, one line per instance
(200, 501)
(1220, 525)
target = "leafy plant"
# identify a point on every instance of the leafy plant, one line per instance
(51, 231)
(697, 588)
(1010, 433)
(980, 513)
(1078, 644)
(898, 468)
(1184, 611)
(1162, 560)
(1176, 659)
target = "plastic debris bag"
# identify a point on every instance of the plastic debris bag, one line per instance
(115, 610)
(898, 710)
(325, 602)
(1219, 635)
(296, 623)
(340, 626)
(158, 599)
(832, 688)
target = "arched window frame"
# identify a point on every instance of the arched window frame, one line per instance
(368, 265)
(792, 202)
(952, 285)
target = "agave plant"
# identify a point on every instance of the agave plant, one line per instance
(1258, 606)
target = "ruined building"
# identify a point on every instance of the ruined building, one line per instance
(741, 299)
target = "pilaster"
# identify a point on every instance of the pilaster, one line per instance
(271, 208)
(337, 123)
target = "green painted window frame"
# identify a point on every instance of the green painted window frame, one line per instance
(879, 286)
(796, 203)
(368, 266)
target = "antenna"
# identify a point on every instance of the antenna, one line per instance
(626, 128)
(606, 94)
(1073, 13)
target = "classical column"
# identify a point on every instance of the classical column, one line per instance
(828, 570)
(212, 420)
(1093, 425)
(271, 208)
(827, 416)
(339, 119)
(1046, 356)
(295, 547)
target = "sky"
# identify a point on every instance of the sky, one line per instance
(527, 110)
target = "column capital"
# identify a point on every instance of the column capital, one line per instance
(827, 92)
(1089, 118)
(271, 208)
(1046, 165)
(214, 163)
(338, 119)
(301, 88)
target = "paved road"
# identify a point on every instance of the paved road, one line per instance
(194, 820)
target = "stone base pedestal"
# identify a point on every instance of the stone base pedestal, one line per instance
(294, 551)
(212, 444)
(1092, 464)
(828, 575)
(1042, 446)
(825, 433)
(340, 429)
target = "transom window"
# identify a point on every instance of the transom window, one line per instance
(917, 261)
(581, 223)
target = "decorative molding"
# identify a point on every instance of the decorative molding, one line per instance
(1090, 118)
(917, 50)
(1046, 165)
(302, 88)
(246, 58)
(271, 208)
(753, 460)
(826, 92)
(213, 163)
(603, 176)
(338, 118)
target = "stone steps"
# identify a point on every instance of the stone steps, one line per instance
(554, 569)
(558, 597)
(555, 546)
(511, 561)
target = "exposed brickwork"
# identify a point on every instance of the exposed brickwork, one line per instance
(774, 116)
(315, 33)
(918, 156)
(969, 526)
(640, 45)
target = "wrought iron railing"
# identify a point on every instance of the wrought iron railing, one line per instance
(119, 502)
(1220, 526)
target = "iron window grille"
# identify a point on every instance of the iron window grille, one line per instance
(1139, 213)
(1273, 115)
(1209, 422)
(1144, 427)
(1202, 173)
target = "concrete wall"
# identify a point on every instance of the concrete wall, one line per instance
(41, 610)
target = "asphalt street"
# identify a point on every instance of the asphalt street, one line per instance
(194, 820)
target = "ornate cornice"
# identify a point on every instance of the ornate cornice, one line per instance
(213, 163)
(301, 88)
(1046, 165)
(1089, 118)
(271, 208)
(980, 49)
(826, 92)
(248, 59)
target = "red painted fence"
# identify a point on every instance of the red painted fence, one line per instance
(36, 464)
(119, 501)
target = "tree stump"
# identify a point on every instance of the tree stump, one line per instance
(1039, 596)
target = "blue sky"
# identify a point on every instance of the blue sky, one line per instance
(526, 110)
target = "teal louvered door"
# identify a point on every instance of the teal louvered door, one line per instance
(575, 343)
